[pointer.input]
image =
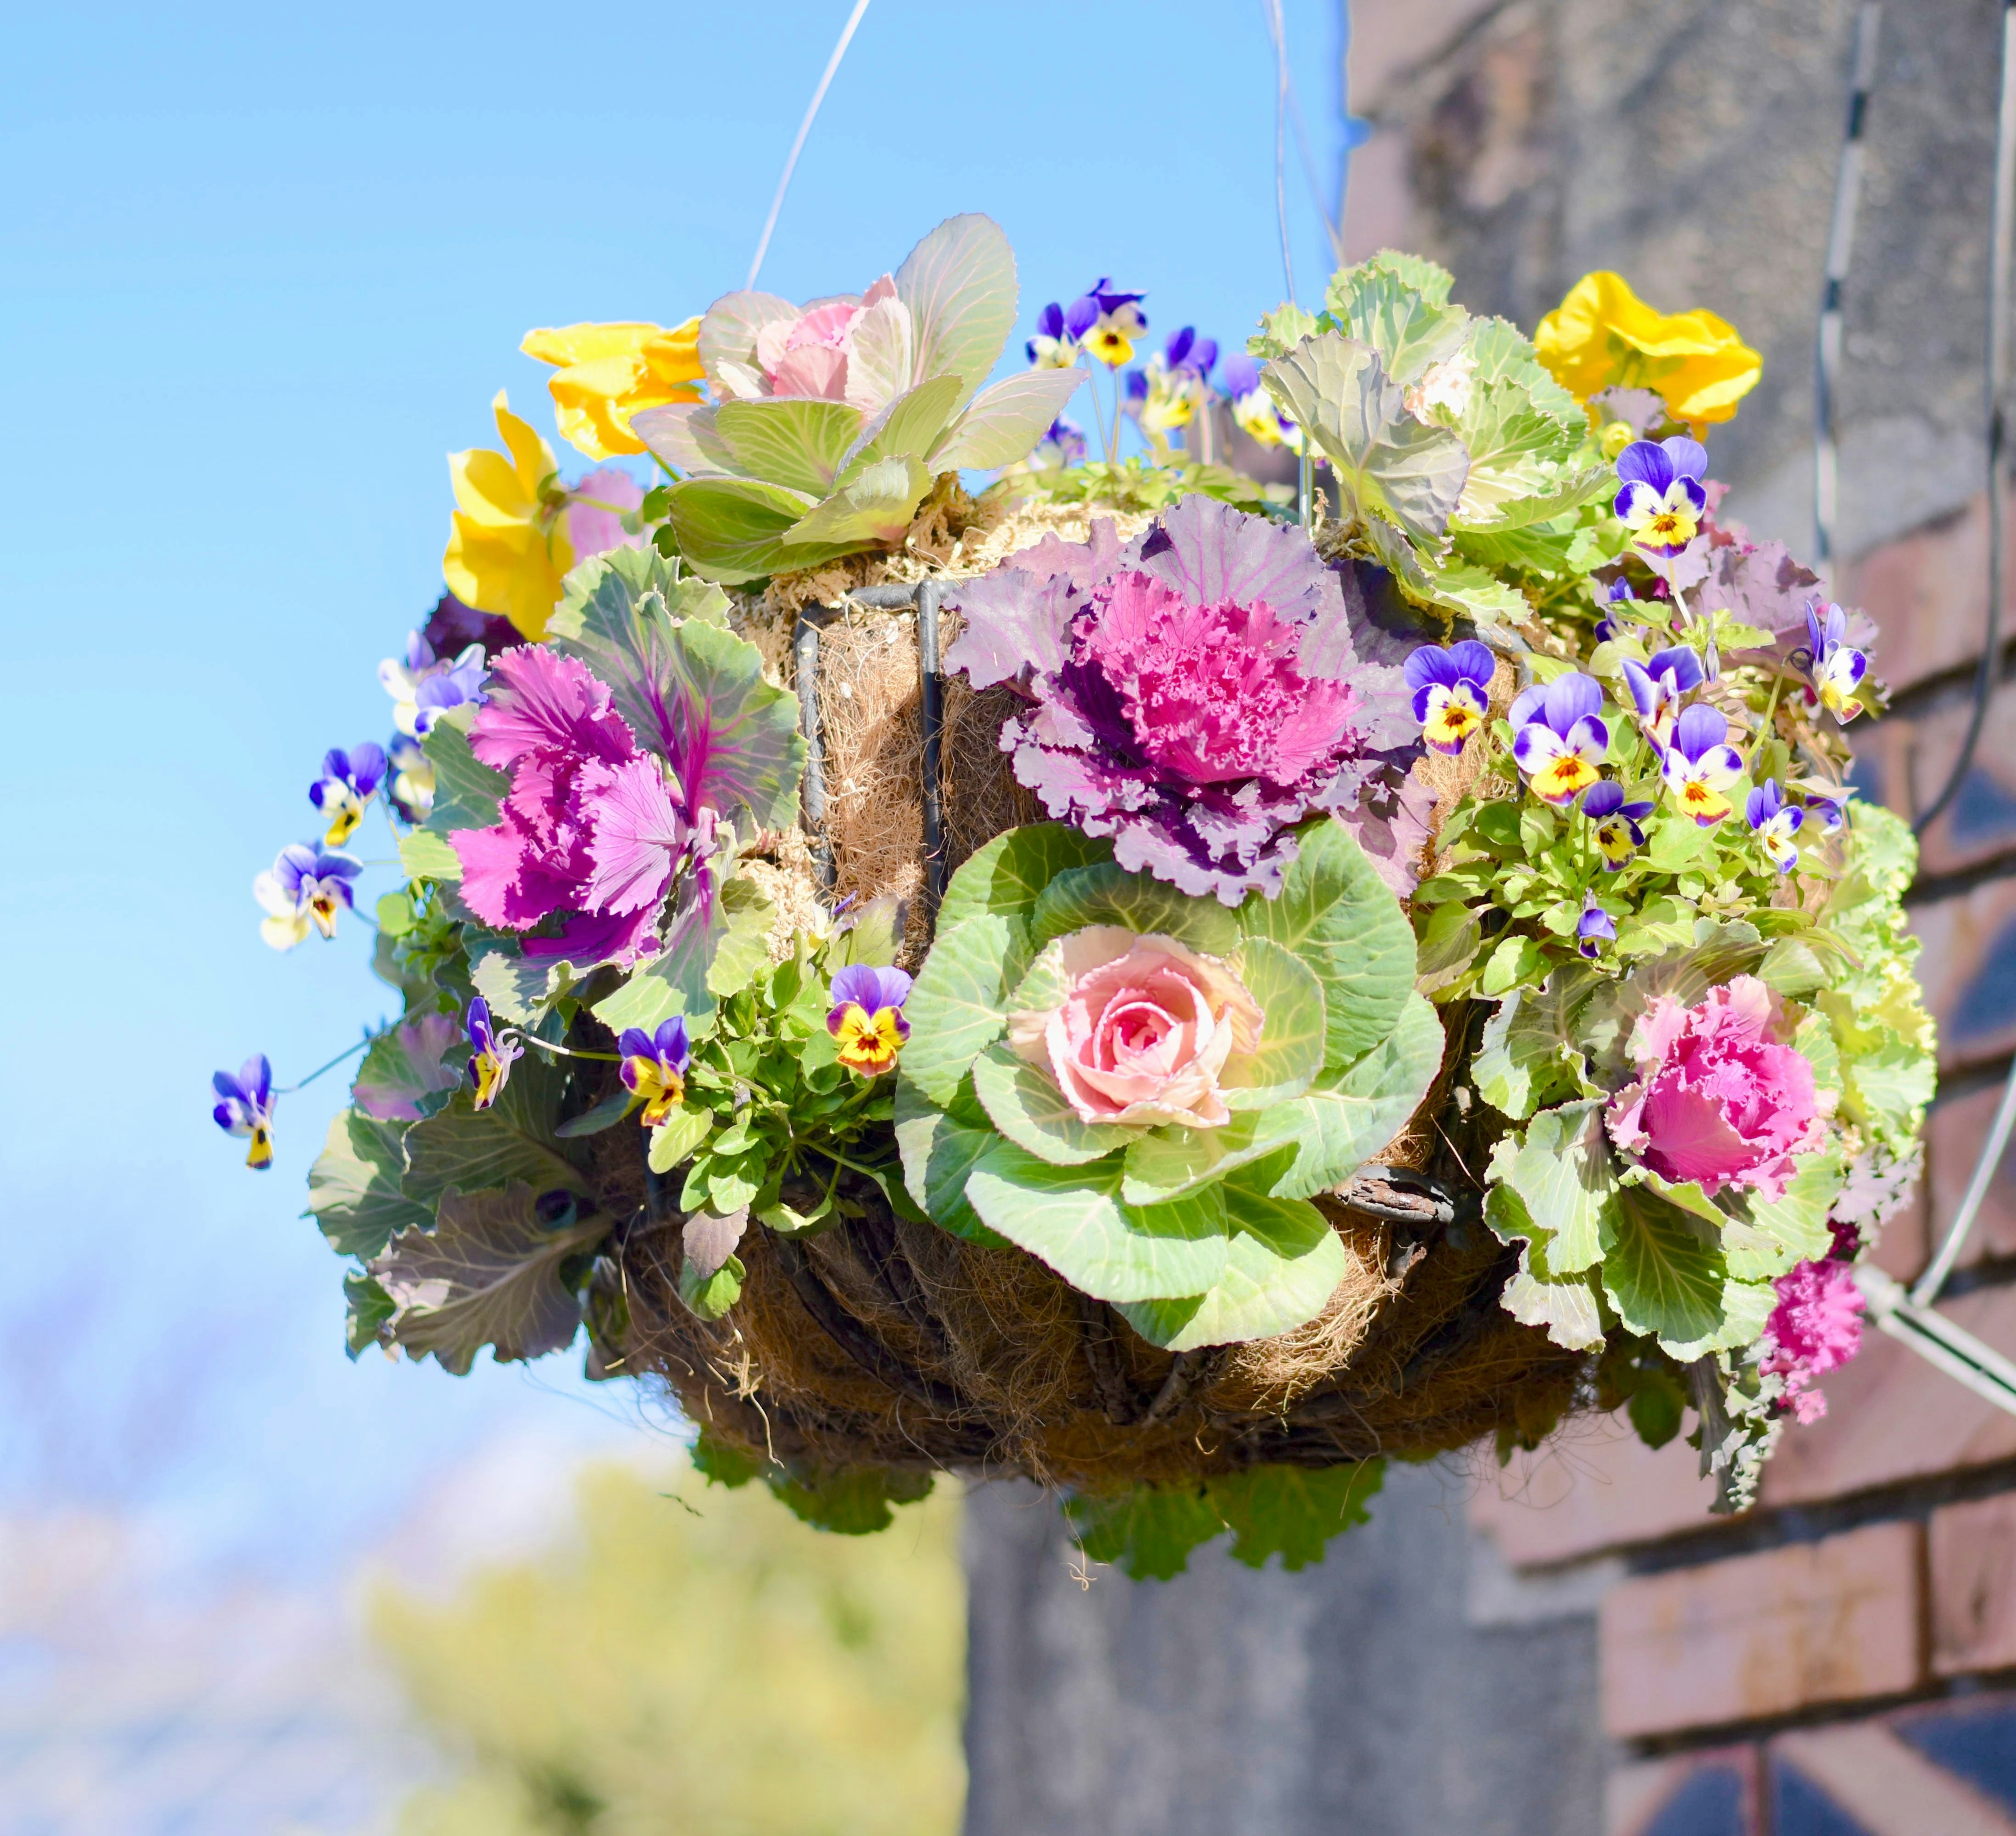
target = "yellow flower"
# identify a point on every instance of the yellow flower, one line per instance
(509, 546)
(606, 373)
(1603, 336)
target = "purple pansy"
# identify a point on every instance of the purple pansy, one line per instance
(1062, 443)
(1452, 690)
(1186, 350)
(306, 886)
(1656, 686)
(1560, 737)
(1699, 767)
(425, 685)
(1829, 808)
(1594, 929)
(1194, 695)
(1118, 319)
(246, 1108)
(348, 781)
(1662, 499)
(654, 1067)
(1611, 623)
(1835, 665)
(1619, 825)
(1058, 330)
(1775, 823)
(491, 1055)
(866, 1018)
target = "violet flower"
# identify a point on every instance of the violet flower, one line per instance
(1619, 830)
(1062, 443)
(1775, 823)
(1194, 695)
(867, 1017)
(424, 685)
(246, 1108)
(654, 1067)
(349, 783)
(1835, 666)
(412, 789)
(1663, 500)
(1594, 929)
(1452, 691)
(305, 886)
(1117, 323)
(1829, 808)
(1656, 686)
(1610, 624)
(492, 1054)
(1698, 768)
(1559, 737)
(1058, 330)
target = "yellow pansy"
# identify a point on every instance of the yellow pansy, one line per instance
(606, 373)
(1603, 336)
(509, 546)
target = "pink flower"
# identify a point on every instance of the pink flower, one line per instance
(539, 700)
(1816, 1327)
(595, 526)
(1718, 1098)
(819, 353)
(1143, 1031)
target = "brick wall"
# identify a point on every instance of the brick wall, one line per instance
(1843, 1659)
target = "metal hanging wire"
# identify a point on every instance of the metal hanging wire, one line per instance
(798, 144)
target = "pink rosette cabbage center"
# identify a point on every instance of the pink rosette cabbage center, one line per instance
(1719, 1098)
(1144, 1031)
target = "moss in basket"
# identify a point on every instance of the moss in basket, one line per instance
(1193, 1221)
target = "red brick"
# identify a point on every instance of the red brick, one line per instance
(1762, 1635)
(1637, 1797)
(1972, 1551)
(1890, 1416)
(1928, 592)
(1596, 1486)
(1967, 968)
(1954, 1138)
(1886, 1787)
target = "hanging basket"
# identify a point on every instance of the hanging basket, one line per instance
(888, 1343)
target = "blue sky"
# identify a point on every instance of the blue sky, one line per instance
(261, 269)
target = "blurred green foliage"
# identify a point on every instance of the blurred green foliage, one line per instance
(694, 1660)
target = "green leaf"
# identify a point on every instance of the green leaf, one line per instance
(732, 530)
(489, 1273)
(1107, 894)
(467, 792)
(1283, 1263)
(959, 1006)
(1563, 1175)
(743, 950)
(1336, 915)
(394, 913)
(517, 987)
(1148, 1531)
(353, 1187)
(1292, 1033)
(708, 1297)
(1008, 875)
(1030, 1111)
(875, 506)
(1379, 307)
(411, 1068)
(1514, 451)
(654, 992)
(1293, 1511)
(797, 441)
(721, 1463)
(1387, 463)
(1565, 1305)
(514, 1139)
(1516, 960)
(678, 1136)
(1678, 845)
(1005, 421)
(368, 1308)
(907, 428)
(1535, 1047)
(959, 283)
(1501, 353)
(940, 1146)
(1767, 1236)
(1073, 1220)
(599, 1120)
(1662, 1274)
(854, 1502)
(425, 856)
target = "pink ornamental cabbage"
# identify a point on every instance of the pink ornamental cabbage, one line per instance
(595, 512)
(1195, 693)
(548, 723)
(1143, 1032)
(846, 349)
(1718, 1098)
(1816, 1327)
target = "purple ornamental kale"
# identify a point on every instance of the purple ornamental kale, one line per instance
(1195, 694)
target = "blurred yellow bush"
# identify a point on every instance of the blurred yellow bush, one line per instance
(696, 1661)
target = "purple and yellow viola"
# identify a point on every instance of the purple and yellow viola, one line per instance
(1700, 766)
(1662, 500)
(1834, 666)
(491, 1055)
(867, 1017)
(1657, 687)
(1452, 691)
(1594, 929)
(246, 1108)
(1560, 737)
(1619, 825)
(655, 1066)
(305, 886)
(1775, 823)
(349, 783)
